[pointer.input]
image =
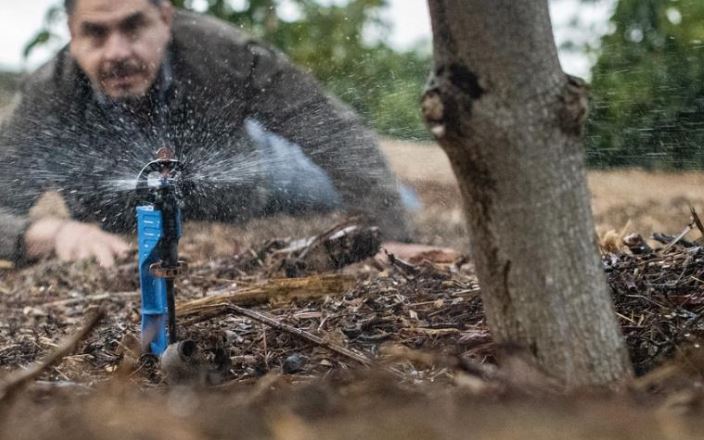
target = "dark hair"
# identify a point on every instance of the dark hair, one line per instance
(70, 4)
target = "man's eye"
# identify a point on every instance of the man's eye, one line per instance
(132, 27)
(132, 33)
(95, 33)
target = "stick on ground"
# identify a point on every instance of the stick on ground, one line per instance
(286, 289)
(274, 323)
(16, 381)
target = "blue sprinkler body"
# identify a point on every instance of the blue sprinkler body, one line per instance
(158, 233)
(155, 312)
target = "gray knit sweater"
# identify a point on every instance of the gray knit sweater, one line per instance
(61, 136)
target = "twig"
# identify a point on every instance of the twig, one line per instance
(18, 380)
(686, 327)
(274, 323)
(90, 298)
(290, 289)
(666, 239)
(678, 238)
(697, 221)
(327, 234)
(405, 267)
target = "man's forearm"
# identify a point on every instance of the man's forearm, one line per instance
(12, 230)
(293, 105)
(350, 155)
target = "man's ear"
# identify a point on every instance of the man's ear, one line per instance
(71, 27)
(72, 33)
(166, 10)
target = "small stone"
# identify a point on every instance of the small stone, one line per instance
(293, 364)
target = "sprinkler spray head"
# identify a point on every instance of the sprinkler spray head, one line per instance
(158, 176)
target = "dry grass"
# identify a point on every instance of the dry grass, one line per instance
(651, 202)
(418, 162)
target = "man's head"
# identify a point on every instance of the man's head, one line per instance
(120, 44)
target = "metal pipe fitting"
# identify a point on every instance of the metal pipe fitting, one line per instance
(180, 363)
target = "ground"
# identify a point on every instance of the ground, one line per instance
(640, 201)
(418, 324)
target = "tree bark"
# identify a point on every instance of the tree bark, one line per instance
(511, 122)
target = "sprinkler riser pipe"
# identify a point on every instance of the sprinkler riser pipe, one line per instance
(154, 290)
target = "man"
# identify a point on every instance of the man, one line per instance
(138, 75)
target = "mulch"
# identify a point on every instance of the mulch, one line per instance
(387, 305)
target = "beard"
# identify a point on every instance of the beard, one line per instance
(135, 76)
(122, 69)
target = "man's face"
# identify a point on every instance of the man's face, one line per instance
(120, 44)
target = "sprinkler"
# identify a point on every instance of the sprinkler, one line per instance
(158, 233)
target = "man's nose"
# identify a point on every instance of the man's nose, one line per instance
(117, 47)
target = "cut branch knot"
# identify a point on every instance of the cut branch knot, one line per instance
(574, 106)
(433, 108)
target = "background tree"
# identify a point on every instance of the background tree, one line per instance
(648, 87)
(331, 41)
(510, 121)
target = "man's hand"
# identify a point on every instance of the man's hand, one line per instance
(413, 253)
(72, 241)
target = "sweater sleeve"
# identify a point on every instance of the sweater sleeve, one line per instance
(292, 104)
(20, 186)
(12, 228)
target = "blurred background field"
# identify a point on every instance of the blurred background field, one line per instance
(643, 201)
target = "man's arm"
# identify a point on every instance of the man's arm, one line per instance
(292, 104)
(16, 196)
(22, 239)
(27, 140)
(12, 228)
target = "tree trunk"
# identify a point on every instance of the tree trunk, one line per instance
(510, 122)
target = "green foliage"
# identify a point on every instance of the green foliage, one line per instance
(42, 37)
(327, 38)
(46, 34)
(381, 84)
(384, 86)
(648, 87)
